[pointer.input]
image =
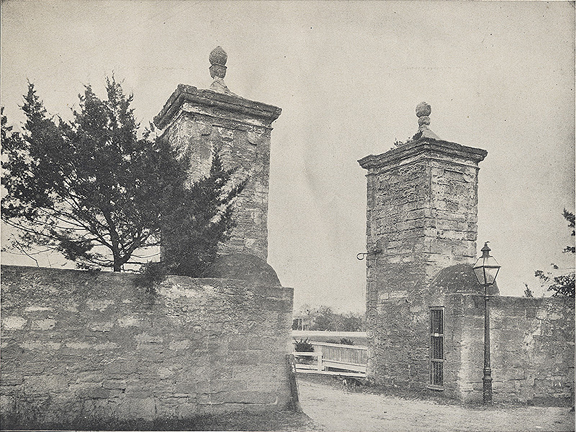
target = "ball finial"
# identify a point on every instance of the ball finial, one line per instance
(423, 109)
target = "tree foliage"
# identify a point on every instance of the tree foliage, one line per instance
(528, 292)
(95, 191)
(561, 285)
(203, 214)
(323, 318)
(570, 218)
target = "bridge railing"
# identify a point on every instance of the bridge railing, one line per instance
(335, 356)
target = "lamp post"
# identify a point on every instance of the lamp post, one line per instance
(486, 269)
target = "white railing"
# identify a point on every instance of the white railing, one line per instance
(316, 334)
(335, 356)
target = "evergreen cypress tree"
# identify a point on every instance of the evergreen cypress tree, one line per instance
(94, 191)
(192, 232)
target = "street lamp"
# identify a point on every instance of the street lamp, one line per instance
(486, 270)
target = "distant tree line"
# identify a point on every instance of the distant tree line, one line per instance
(323, 318)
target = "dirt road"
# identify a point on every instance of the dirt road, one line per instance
(333, 409)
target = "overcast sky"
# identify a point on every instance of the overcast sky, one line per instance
(348, 76)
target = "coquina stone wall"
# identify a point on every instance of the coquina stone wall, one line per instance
(532, 348)
(79, 347)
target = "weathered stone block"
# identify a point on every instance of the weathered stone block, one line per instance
(93, 393)
(144, 408)
(41, 345)
(187, 410)
(246, 397)
(179, 345)
(129, 321)
(101, 326)
(13, 323)
(98, 304)
(11, 380)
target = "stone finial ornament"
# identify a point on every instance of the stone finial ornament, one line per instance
(218, 58)
(423, 111)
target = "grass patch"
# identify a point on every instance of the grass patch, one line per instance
(271, 421)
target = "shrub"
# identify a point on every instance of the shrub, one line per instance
(151, 274)
(303, 345)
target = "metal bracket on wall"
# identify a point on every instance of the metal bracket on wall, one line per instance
(360, 256)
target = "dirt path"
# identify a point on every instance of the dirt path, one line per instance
(333, 409)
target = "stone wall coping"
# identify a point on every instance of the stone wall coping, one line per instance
(422, 146)
(499, 300)
(232, 103)
(170, 279)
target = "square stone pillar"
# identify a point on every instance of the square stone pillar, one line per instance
(199, 122)
(421, 217)
(421, 211)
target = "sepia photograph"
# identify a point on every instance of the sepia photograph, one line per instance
(287, 215)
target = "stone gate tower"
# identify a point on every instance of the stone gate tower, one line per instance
(421, 218)
(203, 121)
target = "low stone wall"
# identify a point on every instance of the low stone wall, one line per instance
(80, 347)
(532, 348)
